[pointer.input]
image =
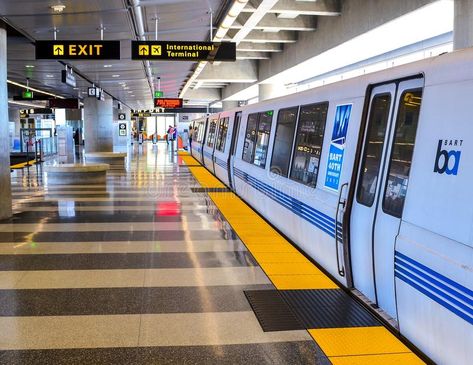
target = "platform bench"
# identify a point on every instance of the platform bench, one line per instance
(77, 174)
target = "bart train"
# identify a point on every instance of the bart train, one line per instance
(372, 178)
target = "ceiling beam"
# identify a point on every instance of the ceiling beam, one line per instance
(319, 7)
(252, 56)
(253, 20)
(272, 22)
(259, 36)
(259, 47)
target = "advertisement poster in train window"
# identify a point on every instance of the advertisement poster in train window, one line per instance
(337, 146)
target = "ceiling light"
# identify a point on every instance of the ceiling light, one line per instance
(107, 66)
(49, 76)
(33, 89)
(29, 66)
(115, 75)
(126, 88)
(59, 8)
(76, 88)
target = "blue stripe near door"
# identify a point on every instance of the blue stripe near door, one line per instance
(451, 295)
(311, 215)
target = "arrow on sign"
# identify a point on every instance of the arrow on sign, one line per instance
(143, 50)
(58, 50)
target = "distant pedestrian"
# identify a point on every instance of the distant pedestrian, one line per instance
(191, 131)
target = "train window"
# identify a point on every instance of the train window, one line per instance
(285, 128)
(262, 141)
(373, 149)
(401, 153)
(211, 134)
(308, 147)
(222, 134)
(200, 131)
(250, 138)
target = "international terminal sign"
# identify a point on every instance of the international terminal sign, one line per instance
(183, 51)
(77, 50)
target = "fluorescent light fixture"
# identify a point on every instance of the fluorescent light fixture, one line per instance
(107, 66)
(115, 75)
(49, 76)
(29, 66)
(33, 89)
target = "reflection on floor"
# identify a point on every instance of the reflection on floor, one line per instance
(142, 270)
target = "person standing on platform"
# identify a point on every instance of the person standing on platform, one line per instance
(169, 135)
(191, 132)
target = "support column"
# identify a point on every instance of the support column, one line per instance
(229, 104)
(463, 24)
(5, 179)
(98, 125)
(270, 91)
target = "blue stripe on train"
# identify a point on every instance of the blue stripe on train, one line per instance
(313, 216)
(446, 292)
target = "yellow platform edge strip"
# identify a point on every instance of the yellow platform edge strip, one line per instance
(22, 164)
(293, 271)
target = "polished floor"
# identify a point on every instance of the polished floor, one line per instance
(142, 270)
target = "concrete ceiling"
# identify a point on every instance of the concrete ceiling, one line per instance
(261, 29)
(124, 79)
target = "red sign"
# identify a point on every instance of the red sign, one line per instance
(168, 103)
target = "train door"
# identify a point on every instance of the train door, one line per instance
(233, 147)
(381, 188)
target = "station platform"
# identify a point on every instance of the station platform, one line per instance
(163, 264)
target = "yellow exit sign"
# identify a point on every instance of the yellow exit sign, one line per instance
(81, 50)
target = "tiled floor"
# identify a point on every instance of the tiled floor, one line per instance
(141, 270)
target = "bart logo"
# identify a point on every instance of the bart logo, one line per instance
(156, 50)
(58, 50)
(143, 50)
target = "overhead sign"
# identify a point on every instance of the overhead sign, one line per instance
(40, 111)
(337, 146)
(68, 78)
(168, 103)
(158, 94)
(122, 129)
(77, 50)
(142, 114)
(91, 91)
(64, 103)
(121, 116)
(183, 51)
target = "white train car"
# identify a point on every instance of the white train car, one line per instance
(371, 177)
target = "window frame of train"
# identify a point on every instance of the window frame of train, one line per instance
(368, 141)
(400, 124)
(256, 134)
(281, 161)
(222, 134)
(212, 133)
(306, 150)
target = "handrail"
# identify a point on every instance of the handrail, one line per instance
(340, 266)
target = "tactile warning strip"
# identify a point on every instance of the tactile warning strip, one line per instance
(272, 312)
(327, 309)
(344, 345)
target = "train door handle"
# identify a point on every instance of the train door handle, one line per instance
(340, 203)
